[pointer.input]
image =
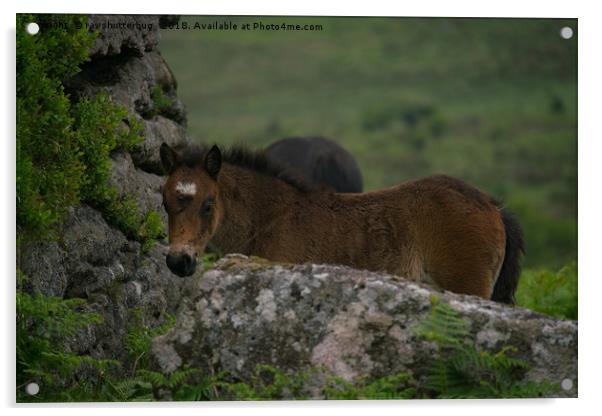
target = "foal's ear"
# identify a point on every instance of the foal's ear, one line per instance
(213, 161)
(169, 158)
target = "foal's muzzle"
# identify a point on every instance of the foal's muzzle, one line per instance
(182, 264)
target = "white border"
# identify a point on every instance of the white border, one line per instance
(461, 8)
(590, 126)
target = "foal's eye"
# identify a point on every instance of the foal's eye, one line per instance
(207, 207)
(184, 198)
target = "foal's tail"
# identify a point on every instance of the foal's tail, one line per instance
(507, 281)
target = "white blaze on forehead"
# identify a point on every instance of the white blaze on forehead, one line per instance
(186, 188)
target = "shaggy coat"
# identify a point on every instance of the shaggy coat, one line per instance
(436, 229)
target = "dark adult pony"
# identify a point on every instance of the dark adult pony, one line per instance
(321, 161)
(437, 229)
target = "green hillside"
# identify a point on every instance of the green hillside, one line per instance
(492, 101)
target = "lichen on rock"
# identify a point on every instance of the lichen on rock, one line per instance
(353, 323)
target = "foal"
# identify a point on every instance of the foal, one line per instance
(436, 229)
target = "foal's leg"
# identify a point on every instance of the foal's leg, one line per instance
(471, 279)
(471, 269)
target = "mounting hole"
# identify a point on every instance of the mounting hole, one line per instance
(32, 28)
(32, 389)
(566, 384)
(566, 32)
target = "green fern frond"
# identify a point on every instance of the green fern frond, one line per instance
(178, 377)
(155, 378)
(444, 326)
(459, 370)
(131, 389)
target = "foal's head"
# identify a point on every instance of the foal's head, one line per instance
(192, 201)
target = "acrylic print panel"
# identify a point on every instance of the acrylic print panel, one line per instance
(273, 208)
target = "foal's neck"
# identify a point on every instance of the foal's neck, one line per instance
(253, 202)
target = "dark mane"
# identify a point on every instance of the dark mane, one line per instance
(240, 155)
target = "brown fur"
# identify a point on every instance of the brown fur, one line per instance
(437, 228)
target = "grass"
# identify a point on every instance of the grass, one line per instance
(550, 292)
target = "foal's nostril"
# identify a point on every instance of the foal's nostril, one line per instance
(181, 264)
(172, 261)
(186, 261)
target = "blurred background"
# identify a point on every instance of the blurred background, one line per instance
(491, 101)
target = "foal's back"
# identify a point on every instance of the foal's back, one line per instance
(436, 229)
